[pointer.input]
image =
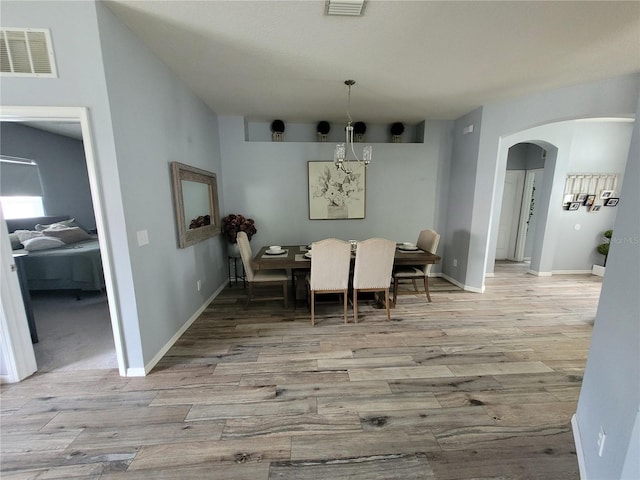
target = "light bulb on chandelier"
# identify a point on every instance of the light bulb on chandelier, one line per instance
(341, 152)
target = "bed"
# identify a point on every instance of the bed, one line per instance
(71, 266)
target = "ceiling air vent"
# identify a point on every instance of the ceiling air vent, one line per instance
(26, 52)
(345, 7)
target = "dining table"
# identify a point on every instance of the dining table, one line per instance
(293, 258)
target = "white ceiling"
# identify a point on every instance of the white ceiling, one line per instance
(412, 60)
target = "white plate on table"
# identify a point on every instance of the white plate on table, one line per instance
(408, 248)
(307, 255)
(275, 252)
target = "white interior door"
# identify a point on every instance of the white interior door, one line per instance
(510, 214)
(16, 362)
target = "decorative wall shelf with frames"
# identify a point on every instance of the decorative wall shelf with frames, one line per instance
(591, 190)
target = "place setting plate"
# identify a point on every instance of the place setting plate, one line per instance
(407, 247)
(275, 252)
(307, 255)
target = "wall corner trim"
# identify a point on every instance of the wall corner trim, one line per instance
(539, 274)
(577, 440)
(462, 285)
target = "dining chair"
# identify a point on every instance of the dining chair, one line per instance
(330, 263)
(267, 278)
(428, 241)
(372, 270)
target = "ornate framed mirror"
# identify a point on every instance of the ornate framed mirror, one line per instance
(195, 202)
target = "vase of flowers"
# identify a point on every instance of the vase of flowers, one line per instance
(234, 223)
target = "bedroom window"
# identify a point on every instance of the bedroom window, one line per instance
(20, 188)
(22, 207)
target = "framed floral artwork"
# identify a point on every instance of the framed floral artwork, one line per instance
(334, 194)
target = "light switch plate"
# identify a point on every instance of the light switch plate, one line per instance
(143, 238)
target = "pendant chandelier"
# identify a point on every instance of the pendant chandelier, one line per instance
(341, 153)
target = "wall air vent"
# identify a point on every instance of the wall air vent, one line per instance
(345, 7)
(26, 52)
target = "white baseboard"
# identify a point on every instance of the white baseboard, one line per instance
(463, 286)
(577, 439)
(561, 272)
(539, 274)
(571, 272)
(141, 372)
(489, 275)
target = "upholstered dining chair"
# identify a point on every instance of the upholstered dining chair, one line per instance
(428, 241)
(260, 277)
(372, 270)
(330, 262)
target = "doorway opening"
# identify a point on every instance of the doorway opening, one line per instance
(518, 219)
(75, 331)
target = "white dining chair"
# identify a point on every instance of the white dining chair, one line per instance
(428, 241)
(267, 278)
(372, 270)
(330, 262)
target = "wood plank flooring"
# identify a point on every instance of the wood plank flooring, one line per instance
(472, 385)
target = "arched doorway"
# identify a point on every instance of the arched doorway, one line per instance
(523, 178)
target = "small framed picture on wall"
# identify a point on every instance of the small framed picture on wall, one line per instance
(581, 197)
(606, 194)
(574, 206)
(590, 200)
(611, 202)
(594, 208)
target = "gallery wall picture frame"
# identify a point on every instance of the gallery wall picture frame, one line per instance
(595, 208)
(567, 199)
(590, 200)
(606, 194)
(574, 206)
(581, 197)
(335, 194)
(611, 202)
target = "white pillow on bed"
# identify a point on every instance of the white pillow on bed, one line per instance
(68, 235)
(58, 225)
(24, 235)
(42, 243)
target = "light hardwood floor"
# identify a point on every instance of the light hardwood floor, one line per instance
(470, 386)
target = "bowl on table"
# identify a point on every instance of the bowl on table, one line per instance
(274, 250)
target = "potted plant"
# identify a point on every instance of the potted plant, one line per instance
(234, 223)
(603, 249)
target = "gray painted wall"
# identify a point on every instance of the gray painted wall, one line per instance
(610, 395)
(156, 120)
(268, 181)
(460, 195)
(62, 165)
